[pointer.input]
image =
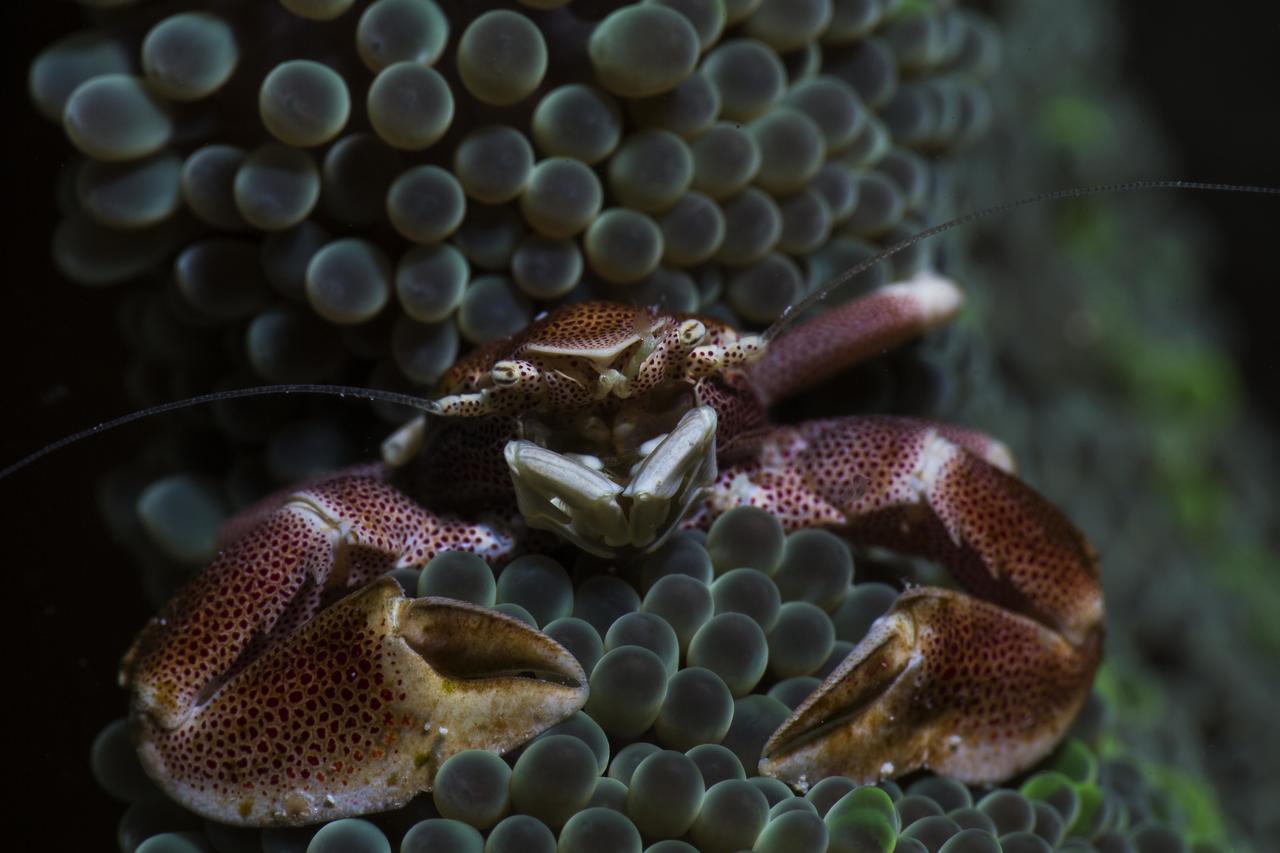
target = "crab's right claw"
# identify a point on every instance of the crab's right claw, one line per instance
(355, 711)
(944, 681)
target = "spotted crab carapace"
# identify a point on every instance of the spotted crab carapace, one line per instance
(291, 683)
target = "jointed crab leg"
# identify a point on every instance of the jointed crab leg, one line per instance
(979, 688)
(820, 347)
(254, 706)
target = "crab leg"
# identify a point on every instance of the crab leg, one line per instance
(977, 684)
(253, 705)
(823, 346)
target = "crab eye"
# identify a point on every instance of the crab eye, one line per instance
(505, 373)
(692, 332)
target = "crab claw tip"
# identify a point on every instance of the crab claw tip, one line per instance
(504, 681)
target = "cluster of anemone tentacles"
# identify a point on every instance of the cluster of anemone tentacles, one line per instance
(308, 191)
(695, 654)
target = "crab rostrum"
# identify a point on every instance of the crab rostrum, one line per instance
(292, 683)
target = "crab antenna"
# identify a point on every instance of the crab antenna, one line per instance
(793, 312)
(373, 394)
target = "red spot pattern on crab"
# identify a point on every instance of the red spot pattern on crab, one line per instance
(356, 710)
(590, 326)
(999, 677)
(922, 488)
(305, 713)
(333, 537)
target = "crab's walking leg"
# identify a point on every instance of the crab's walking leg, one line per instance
(821, 347)
(976, 685)
(251, 708)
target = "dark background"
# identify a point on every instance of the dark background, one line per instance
(1211, 78)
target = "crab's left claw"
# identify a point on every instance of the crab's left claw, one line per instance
(355, 711)
(978, 684)
(945, 681)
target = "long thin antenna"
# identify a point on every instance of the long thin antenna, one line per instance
(793, 312)
(373, 394)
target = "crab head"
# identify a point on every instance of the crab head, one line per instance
(613, 414)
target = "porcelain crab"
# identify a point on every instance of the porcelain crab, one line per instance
(291, 682)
